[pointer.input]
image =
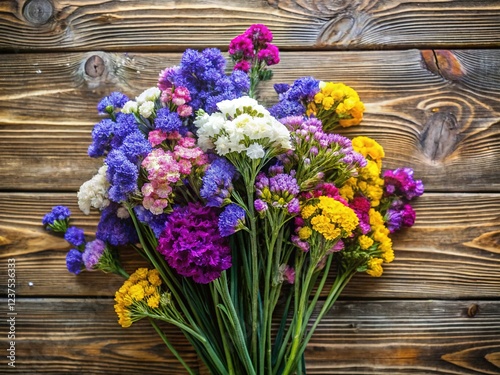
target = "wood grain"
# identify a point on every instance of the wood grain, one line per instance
(437, 116)
(453, 251)
(59, 336)
(49, 25)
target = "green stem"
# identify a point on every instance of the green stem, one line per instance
(170, 347)
(229, 360)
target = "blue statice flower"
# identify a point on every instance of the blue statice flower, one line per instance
(75, 236)
(115, 230)
(122, 174)
(109, 103)
(57, 219)
(168, 121)
(155, 222)
(135, 146)
(74, 262)
(124, 126)
(231, 219)
(293, 99)
(101, 138)
(217, 182)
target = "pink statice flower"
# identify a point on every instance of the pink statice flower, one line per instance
(155, 137)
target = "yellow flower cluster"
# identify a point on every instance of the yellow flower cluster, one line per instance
(380, 235)
(336, 103)
(329, 217)
(368, 182)
(140, 292)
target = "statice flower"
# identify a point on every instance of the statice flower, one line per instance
(75, 236)
(242, 126)
(155, 222)
(400, 182)
(231, 220)
(400, 215)
(94, 192)
(57, 219)
(93, 253)
(122, 175)
(217, 182)
(168, 121)
(192, 244)
(135, 147)
(279, 191)
(74, 262)
(115, 230)
(293, 101)
(361, 206)
(101, 137)
(166, 78)
(108, 104)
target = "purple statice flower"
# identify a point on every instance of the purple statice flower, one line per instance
(302, 245)
(135, 146)
(400, 217)
(361, 206)
(109, 103)
(75, 236)
(279, 191)
(166, 78)
(293, 101)
(115, 230)
(155, 222)
(261, 207)
(101, 137)
(93, 253)
(400, 182)
(192, 245)
(168, 122)
(74, 262)
(231, 220)
(217, 182)
(122, 174)
(57, 219)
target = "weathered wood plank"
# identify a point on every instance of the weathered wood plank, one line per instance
(165, 25)
(437, 112)
(453, 251)
(58, 336)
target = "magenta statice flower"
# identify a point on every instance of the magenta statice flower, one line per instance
(93, 253)
(259, 34)
(218, 182)
(400, 182)
(361, 206)
(75, 236)
(57, 219)
(231, 220)
(241, 48)
(74, 262)
(108, 104)
(270, 55)
(192, 245)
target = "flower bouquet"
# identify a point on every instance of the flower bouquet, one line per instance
(243, 212)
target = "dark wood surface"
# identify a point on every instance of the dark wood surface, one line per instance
(429, 74)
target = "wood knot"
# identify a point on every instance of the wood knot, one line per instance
(472, 310)
(440, 135)
(94, 66)
(38, 12)
(443, 63)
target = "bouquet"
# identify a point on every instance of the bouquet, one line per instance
(242, 211)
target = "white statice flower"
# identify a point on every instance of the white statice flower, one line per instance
(146, 109)
(255, 151)
(130, 107)
(149, 95)
(94, 192)
(229, 107)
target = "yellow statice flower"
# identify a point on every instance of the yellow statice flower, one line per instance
(336, 104)
(369, 148)
(140, 292)
(305, 233)
(375, 267)
(365, 242)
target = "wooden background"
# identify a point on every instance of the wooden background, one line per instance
(429, 73)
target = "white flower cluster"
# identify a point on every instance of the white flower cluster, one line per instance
(242, 125)
(94, 192)
(144, 104)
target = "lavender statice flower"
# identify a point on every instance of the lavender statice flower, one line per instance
(93, 253)
(400, 182)
(75, 236)
(57, 219)
(122, 174)
(231, 220)
(115, 230)
(217, 182)
(192, 245)
(108, 104)
(155, 222)
(74, 262)
(279, 191)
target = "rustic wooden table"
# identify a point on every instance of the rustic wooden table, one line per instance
(429, 74)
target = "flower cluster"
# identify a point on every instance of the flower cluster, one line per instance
(229, 201)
